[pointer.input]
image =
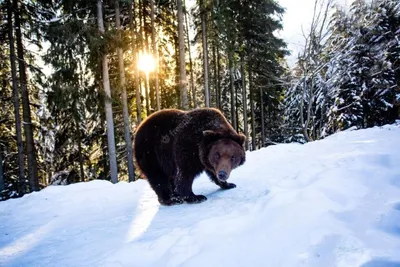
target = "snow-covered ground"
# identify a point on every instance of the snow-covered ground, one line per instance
(334, 202)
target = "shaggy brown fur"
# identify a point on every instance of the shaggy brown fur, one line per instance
(172, 147)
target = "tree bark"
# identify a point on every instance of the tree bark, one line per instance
(127, 124)
(244, 96)
(262, 118)
(82, 173)
(253, 125)
(108, 106)
(232, 89)
(182, 63)
(205, 52)
(303, 124)
(26, 110)
(237, 107)
(21, 167)
(218, 80)
(155, 52)
(194, 100)
(217, 97)
(145, 46)
(106, 166)
(2, 183)
(137, 87)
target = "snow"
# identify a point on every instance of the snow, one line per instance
(333, 202)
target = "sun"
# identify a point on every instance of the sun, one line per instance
(146, 62)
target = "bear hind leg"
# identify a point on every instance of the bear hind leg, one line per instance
(161, 185)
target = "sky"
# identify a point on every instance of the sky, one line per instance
(298, 14)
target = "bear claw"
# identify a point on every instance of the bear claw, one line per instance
(227, 185)
(195, 199)
(171, 201)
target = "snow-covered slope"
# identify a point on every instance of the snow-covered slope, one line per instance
(334, 202)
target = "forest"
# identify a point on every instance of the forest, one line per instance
(78, 77)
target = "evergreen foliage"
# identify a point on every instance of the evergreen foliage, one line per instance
(357, 84)
(347, 76)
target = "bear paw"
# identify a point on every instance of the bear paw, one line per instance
(227, 185)
(195, 199)
(171, 201)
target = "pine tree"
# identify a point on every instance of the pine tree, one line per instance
(108, 108)
(182, 63)
(27, 121)
(15, 85)
(127, 124)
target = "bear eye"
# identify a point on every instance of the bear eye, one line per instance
(217, 155)
(233, 158)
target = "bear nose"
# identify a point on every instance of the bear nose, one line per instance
(222, 175)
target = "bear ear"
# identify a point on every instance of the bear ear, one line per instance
(208, 133)
(211, 135)
(239, 138)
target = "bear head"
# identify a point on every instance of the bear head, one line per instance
(224, 151)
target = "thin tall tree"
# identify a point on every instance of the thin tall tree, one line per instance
(262, 117)
(80, 156)
(26, 110)
(205, 52)
(216, 78)
(122, 83)
(253, 125)
(244, 98)
(182, 64)
(194, 99)
(155, 53)
(18, 131)
(134, 48)
(232, 90)
(2, 183)
(108, 107)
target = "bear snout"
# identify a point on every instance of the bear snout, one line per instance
(222, 175)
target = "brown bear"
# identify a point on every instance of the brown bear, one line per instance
(172, 147)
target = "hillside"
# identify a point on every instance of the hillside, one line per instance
(334, 202)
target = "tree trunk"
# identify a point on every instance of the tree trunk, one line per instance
(232, 88)
(237, 108)
(244, 96)
(177, 73)
(108, 106)
(216, 85)
(26, 110)
(127, 124)
(218, 80)
(106, 166)
(137, 87)
(303, 124)
(205, 52)
(82, 173)
(145, 46)
(310, 102)
(194, 100)
(182, 63)
(146, 90)
(253, 125)
(155, 52)
(150, 89)
(2, 183)
(21, 167)
(262, 118)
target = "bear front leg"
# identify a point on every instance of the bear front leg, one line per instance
(183, 188)
(222, 184)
